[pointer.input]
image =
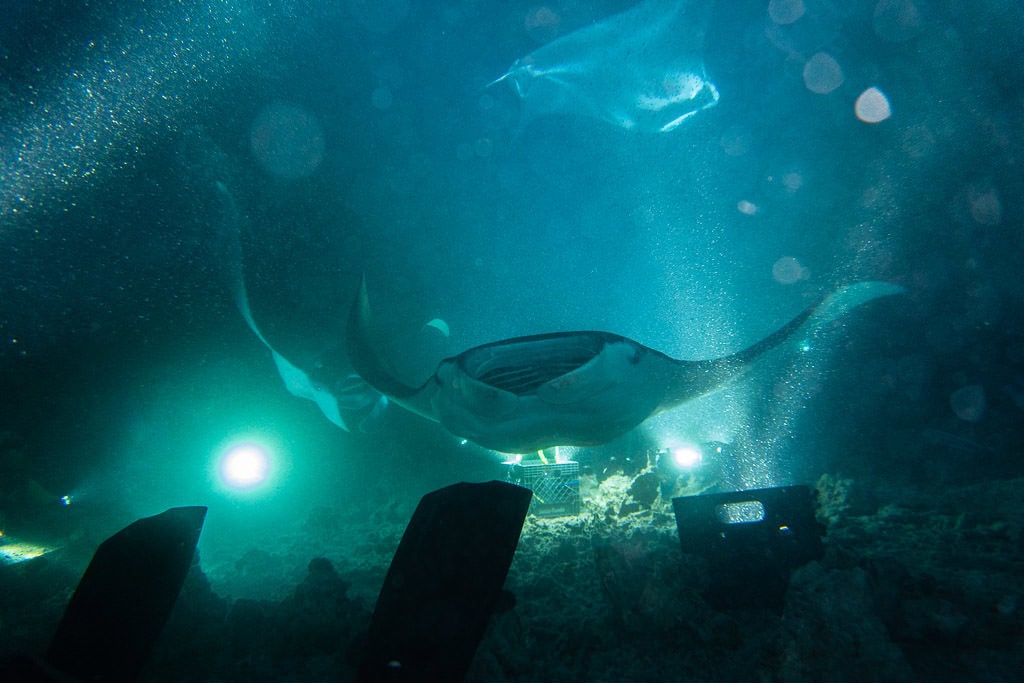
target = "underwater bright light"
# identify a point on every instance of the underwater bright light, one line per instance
(248, 465)
(15, 552)
(686, 457)
(245, 466)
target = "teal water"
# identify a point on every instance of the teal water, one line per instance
(851, 141)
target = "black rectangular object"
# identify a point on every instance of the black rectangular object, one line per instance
(753, 540)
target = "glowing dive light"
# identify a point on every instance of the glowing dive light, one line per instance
(245, 466)
(686, 457)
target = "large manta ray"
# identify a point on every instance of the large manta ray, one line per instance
(567, 388)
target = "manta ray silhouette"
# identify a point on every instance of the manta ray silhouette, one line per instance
(348, 402)
(642, 69)
(567, 388)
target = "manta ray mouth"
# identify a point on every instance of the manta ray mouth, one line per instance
(520, 366)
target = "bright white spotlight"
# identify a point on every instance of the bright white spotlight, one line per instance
(686, 457)
(245, 466)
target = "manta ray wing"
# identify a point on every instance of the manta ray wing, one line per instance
(353, 401)
(568, 388)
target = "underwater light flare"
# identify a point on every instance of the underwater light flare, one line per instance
(248, 466)
(872, 106)
(686, 456)
(15, 552)
(245, 466)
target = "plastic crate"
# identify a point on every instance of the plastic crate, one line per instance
(555, 486)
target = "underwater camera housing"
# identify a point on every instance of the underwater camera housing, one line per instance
(753, 540)
(555, 486)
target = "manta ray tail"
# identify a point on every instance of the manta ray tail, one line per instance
(845, 299)
(696, 378)
(231, 248)
(827, 309)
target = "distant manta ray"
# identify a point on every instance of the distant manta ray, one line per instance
(641, 70)
(567, 388)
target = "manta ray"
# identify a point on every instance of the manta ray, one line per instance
(641, 70)
(584, 388)
(348, 402)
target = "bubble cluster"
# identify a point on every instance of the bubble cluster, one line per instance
(96, 108)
